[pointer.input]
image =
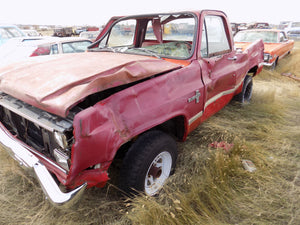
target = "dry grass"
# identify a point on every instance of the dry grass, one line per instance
(210, 185)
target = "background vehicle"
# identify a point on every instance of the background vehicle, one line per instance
(31, 33)
(258, 25)
(276, 44)
(91, 35)
(15, 50)
(293, 30)
(9, 31)
(63, 32)
(147, 81)
(78, 30)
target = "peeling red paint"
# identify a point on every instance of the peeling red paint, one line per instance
(70, 79)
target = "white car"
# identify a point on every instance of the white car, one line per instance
(91, 35)
(9, 31)
(293, 30)
(16, 50)
(31, 33)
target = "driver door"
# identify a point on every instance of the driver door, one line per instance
(217, 63)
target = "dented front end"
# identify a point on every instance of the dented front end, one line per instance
(55, 117)
(45, 143)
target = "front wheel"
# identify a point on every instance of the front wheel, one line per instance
(274, 64)
(148, 163)
(246, 94)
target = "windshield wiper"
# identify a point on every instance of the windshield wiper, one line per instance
(124, 49)
(103, 49)
(150, 52)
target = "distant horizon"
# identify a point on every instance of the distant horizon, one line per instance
(70, 13)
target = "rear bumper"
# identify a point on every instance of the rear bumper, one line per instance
(24, 156)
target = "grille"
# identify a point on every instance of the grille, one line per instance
(28, 132)
(33, 126)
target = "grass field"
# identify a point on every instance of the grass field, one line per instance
(210, 186)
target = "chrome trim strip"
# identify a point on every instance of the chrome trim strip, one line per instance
(213, 99)
(268, 64)
(46, 159)
(21, 154)
(34, 117)
(194, 118)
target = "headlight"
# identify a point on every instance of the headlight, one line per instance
(61, 139)
(267, 57)
(61, 159)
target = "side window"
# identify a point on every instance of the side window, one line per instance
(122, 34)
(54, 49)
(149, 32)
(282, 37)
(204, 53)
(217, 41)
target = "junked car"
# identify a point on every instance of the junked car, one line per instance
(91, 35)
(145, 83)
(293, 30)
(276, 43)
(9, 31)
(15, 50)
(63, 32)
(31, 33)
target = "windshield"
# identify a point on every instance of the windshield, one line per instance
(251, 36)
(296, 24)
(170, 36)
(9, 32)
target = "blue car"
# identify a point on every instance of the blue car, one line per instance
(8, 32)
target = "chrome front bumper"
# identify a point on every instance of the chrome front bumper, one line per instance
(268, 64)
(22, 154)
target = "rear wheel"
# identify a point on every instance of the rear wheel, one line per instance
(148, 163)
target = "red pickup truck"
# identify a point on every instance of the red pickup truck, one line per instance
(145, 83)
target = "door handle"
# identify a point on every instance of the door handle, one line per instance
(233, 58)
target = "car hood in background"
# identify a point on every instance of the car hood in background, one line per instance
(57, 83)
(268, 47)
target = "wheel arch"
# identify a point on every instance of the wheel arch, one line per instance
(176, 127)
(253, 71)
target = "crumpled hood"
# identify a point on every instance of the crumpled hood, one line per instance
(57, 83)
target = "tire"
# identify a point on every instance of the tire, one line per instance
(246, 94)
(274, 64)
(148, 163)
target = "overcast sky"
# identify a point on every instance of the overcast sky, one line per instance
(97, 12)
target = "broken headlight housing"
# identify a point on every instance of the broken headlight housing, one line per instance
(61, 158)
(61, 139)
